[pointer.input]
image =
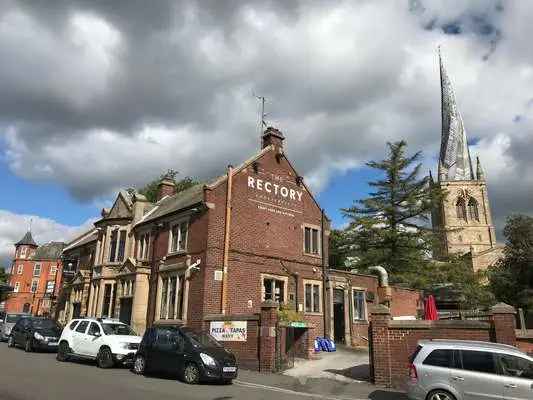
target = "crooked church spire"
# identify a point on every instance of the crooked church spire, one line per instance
(454, 161)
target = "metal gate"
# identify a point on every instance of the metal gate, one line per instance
(285, 349)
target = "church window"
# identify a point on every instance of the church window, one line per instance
(461, 209)
(472, 209)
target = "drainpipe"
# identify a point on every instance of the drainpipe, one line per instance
(152, 284)
(384, 290)
(322, 224)
(226, 242)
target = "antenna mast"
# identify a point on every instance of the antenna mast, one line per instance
(262, 116)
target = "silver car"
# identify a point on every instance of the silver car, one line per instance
(469, 370)
(7, 322)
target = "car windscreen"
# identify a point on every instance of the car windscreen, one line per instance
(118, 329)
(201, 339)
(45, 324)
(12, 318)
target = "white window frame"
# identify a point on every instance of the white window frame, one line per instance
(16, 288)
(280, 278)
(313, 283)
(36, 283)
(143, 246)
(53, 269)
(319, 239)
(39, 269)
(365, 311)
(23, 252)
(171, 236)
(180, 277)
(20, 269)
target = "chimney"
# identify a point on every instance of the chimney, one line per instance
(273, 136)
(166, 187)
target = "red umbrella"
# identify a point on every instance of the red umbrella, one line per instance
(430, 309)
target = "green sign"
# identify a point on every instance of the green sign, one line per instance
(298, 324)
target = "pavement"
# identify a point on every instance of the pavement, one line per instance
(38, 376)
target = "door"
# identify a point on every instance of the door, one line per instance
(167, 351)
(91, 342)
(76, 310)
(478, 378)
(518, 377)
(19, 330)
(78, 337)
(125, 310)
(338, 315)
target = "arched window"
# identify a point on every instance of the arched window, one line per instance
(461, 208)
(473, 214)
(26, 308)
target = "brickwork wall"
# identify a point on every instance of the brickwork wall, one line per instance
(406, 302)
(394, 341)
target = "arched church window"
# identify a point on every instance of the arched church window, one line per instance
(461, 209)
(473, 213)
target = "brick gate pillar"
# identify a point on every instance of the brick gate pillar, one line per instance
(267, 340)
(379, 346)
(504, 323)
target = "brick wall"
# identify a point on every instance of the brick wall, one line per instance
(392, 342)
(406, 302)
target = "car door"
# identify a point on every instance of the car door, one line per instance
(17, 330)
(518, 377)
(167, 350)
(78, 337)
(92, 340)
(478, 378)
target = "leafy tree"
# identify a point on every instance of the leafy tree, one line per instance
(150, 189)
(390, 228)
(337, 250)
(511, 279)
(3, 275)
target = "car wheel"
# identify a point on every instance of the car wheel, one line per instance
(11, 341)
(139, 365)
(191, 374)
(28, 346)
(104, 359)
(440, 395)
(62, 351)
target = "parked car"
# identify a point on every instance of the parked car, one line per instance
(108, 341)
(185, 353)
(35, 333)
(463, 370)
(7, 322)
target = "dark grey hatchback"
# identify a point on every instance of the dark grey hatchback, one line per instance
(183, 352)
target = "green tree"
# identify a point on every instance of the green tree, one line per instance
(337, 249)
(391, 227)
(150, 189)
(511, 279)
(3, 275)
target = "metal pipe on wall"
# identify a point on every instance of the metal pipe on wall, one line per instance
(227, 227)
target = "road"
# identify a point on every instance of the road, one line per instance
(38, 376)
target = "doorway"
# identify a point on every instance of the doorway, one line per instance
(76, 310)
(125, 310)
(338, 315)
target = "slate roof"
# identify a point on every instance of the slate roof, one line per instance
(27, 240)
(49, 251)
(87, 237)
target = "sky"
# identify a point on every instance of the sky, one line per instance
(99, 96)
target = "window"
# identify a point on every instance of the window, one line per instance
(113, 246)
(313, 295)
(171, 291)
(515, 366)
(82, 326)
(107, 299)
(440, 358)
(26, 308)
(94, 329)
(311, 242)
(37, 270)
(73, 325)
(53, 269)
(121, 246)
(20, 269)
(472, 209)
(461, 209)
(274, 289)
(359, 305)
(50, 286)
(479, 361)
(168, 339)
(178, 237)
(34, 285)
(143, 247)
(23, 252)
(17, 287)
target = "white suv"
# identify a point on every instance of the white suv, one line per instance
(106, 340)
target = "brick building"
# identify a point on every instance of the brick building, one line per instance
(36, 275)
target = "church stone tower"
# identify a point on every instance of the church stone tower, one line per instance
(463, 220)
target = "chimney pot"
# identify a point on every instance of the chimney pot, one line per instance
(273, 136)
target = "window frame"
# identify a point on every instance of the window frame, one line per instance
(35, 275)
(16, 287)
(280, 278)
(461, 209)
(312, 228)
(53, 269)
(143, 246)
(494, 361)
(179, 308)
(178, 223)
(501, 369)
(365, 311)
(36, 283)
(313, 283)
(20, 269)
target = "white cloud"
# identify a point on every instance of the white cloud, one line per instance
(14, 226)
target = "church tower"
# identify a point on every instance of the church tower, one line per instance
(463, 220)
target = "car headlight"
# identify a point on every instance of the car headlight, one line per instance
(38, 336)
(123, 345)
(208, 360)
